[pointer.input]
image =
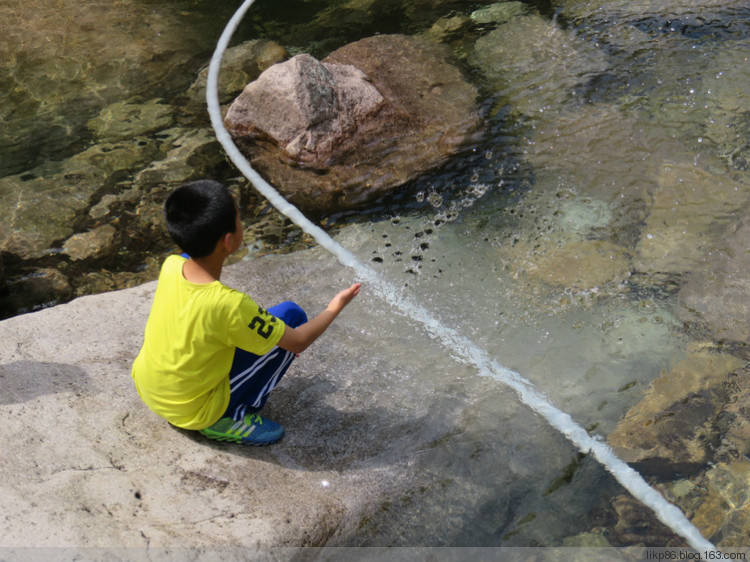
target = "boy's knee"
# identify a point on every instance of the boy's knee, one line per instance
(290, 312)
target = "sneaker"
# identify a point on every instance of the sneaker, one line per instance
(253, 430)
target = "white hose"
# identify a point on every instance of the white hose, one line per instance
(460, 346)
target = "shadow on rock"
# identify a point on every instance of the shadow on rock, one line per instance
(22, 381)
(320, 436)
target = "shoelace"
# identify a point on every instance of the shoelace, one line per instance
(242, 428)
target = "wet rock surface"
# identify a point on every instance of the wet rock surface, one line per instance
(426, 113)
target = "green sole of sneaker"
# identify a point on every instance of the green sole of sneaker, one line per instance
(234, 439)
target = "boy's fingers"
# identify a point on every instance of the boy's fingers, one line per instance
(354, 290)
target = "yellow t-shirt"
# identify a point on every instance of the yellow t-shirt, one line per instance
(182, 370)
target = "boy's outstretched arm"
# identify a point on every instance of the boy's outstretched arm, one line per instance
(299, 339)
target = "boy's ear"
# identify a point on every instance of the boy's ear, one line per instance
(226, 242)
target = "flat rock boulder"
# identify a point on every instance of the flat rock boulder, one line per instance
(336, 134)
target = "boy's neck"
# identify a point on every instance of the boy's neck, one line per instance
(203, 270)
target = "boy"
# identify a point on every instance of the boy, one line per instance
(211, 355)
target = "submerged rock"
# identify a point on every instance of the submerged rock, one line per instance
(449, 28)
(672, 429)
(724, 516)
(42, 287)
(581, 265)
(92, 244)
(241, 64)
(535, 64)
(589, 539)
(717, 292)
(355, 18)
(127, 119)
(734, 421)
(38, 209)
(499, 13)
(682, 223)
(401, 111)
(637, 524)
(728, 125)
(62, 62)
(653, 14)
(191, 153)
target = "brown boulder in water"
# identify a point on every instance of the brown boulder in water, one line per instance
(337, 134)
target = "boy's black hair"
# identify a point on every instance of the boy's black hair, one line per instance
(198, 214)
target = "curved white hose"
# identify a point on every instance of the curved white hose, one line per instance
(459, 345)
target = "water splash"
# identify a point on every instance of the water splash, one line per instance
(460, 347)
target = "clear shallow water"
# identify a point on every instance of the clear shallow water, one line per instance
(493, 242)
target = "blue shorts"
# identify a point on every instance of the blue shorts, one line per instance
(253, 377)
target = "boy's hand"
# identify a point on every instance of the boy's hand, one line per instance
(338, 302)
(298, 339)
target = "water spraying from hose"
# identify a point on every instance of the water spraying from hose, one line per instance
(460, 346)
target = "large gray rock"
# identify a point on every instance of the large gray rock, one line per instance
(85, 460)
(372, 116)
